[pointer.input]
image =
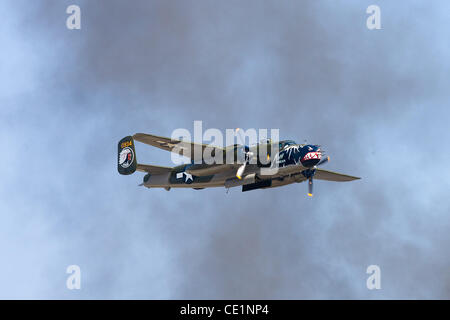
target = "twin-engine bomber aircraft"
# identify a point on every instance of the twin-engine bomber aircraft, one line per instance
(294, 163)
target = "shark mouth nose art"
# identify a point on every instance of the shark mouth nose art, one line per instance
(312, 155)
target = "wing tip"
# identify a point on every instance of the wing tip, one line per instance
(351, 178)
(322, 174)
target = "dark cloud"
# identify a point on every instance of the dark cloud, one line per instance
(376, 101)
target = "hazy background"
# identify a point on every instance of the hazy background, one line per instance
(377, 101)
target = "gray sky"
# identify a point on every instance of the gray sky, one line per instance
(377, 101)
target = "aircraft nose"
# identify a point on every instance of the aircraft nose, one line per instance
(312, 156)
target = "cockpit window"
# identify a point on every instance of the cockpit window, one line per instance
(285, 143)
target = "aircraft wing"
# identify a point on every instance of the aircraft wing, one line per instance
(210, 169)
(153, 169)
(333, 176)
(184, 148)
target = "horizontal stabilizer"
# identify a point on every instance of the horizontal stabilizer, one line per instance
(208, 169)
(333, 176)
(153, 169)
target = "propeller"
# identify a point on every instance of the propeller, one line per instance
(241, 170)
(309, 174)
(310, 186)
(247, 156)
(323, 161)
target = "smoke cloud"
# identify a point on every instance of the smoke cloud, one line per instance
(376, 100)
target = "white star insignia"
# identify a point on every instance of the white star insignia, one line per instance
(188, 176)
(167, 144)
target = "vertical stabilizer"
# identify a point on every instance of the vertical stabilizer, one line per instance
(126, 156)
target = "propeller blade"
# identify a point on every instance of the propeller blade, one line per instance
(240, 171)
(310, 187)
(323, 161)
(248, 156)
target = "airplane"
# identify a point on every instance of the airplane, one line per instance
(293, 162)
